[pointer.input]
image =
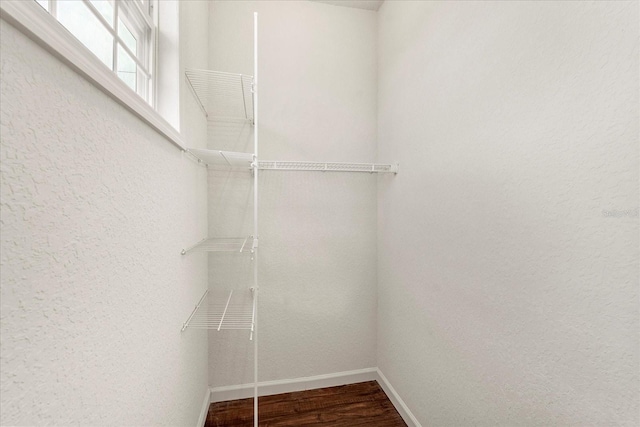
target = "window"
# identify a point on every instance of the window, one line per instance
(134, 60)
(120, 33)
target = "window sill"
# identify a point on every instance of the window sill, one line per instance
(35, 22)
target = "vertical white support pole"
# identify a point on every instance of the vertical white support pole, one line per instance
(255, 216)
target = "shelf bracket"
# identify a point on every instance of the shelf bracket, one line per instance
(185, 251)
(185, 325)
(225, 158)
(226, 307)
(244, 243)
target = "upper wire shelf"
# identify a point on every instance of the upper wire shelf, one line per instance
(222, 95)
(224, 310)
(328, 166)
(225, 244)
(226, 158)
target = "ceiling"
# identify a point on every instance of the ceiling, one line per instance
(360, 4)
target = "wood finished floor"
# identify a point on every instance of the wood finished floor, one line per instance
(353, 405)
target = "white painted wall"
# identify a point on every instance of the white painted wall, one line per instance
(506, 297)
(317, 88)
(96, 207)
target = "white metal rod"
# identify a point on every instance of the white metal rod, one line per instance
(190, 248)
(244, 243)
(225, 158)
(225, 310)
(255, 354)
(186, 324)
(323, 170)
(193, 90)
(244, 102)
(253, 314)
(255, 217)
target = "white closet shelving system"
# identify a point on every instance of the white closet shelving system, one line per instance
(227, 97)
(230, 97)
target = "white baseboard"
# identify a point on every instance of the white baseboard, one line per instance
(397, 401)
(205, 408)
(267, 388)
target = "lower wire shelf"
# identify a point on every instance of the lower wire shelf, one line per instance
(224, 310)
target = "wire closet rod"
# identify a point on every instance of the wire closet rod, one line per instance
(328, 166)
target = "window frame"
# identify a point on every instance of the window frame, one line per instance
(34, 21)
(141, 24)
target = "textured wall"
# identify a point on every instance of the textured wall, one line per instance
(507, 294)
(318, 240)
(95, 209)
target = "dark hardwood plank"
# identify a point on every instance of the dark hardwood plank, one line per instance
(352, 405)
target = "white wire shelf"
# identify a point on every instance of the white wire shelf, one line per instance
(222, 95)
(328, 166)
(224, 310)
(226, 158)
(225, 244)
